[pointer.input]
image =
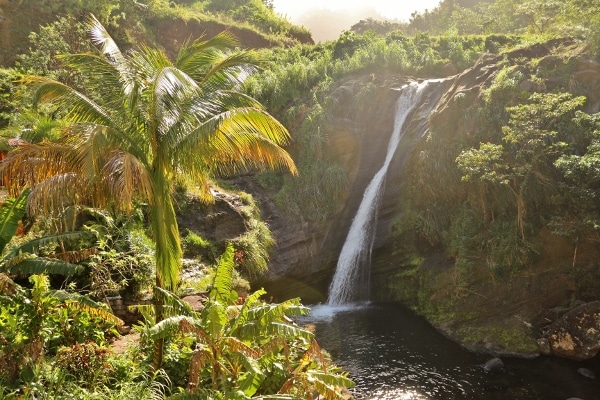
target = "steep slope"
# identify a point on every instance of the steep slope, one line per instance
(20, 18)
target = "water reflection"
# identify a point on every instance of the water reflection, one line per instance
(392, 354)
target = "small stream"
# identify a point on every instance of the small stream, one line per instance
(392, 354)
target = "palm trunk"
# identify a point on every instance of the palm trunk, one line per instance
(159, 344)
(168, 249)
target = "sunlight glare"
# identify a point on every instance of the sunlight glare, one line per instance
(393, 10)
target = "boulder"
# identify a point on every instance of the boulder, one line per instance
(493, 365)
(576, 335)
(588, 373)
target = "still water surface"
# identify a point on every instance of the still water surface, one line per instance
(392, 354)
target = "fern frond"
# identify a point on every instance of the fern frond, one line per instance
(236, 345)
(200, 358)
(216, 318)
(242, 318)
(336, 380)
(253, 378)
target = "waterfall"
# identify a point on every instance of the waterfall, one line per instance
(351, 279)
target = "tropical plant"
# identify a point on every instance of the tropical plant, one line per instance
(147, 124)
(29, 257)
(534, 137)
(247, 348)
(37, 321)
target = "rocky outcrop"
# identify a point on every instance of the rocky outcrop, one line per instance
(216, 222)
(575, 335)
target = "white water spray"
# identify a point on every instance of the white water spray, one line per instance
(351, 279)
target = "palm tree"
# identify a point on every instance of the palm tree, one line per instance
(142, 124)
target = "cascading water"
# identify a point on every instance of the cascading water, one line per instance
(351, 279)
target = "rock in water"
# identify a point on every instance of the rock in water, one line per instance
(493, 365)
(586, 372)
(576, 335)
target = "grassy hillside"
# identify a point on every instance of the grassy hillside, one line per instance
(254, 22)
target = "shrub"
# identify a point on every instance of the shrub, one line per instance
(86, 362)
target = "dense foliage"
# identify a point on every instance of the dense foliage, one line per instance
(485, 195)
(529, 164)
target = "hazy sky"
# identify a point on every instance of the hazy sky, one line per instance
(327, 18)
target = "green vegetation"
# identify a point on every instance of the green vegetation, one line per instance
(145, 124)
(119, 127)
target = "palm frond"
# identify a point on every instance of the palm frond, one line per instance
(172, 90)
(75, 256)
(112, 53)
(193, 58)
(230, 71)
(126, 179)
(166, 235)
(78, 107)
(58, 192)
(30, 264)
(236, 141)
(11, 212)
(102, 78)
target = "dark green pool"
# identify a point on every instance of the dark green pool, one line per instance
(393, 354)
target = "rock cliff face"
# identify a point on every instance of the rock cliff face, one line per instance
(306, 253)
(496, 317)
